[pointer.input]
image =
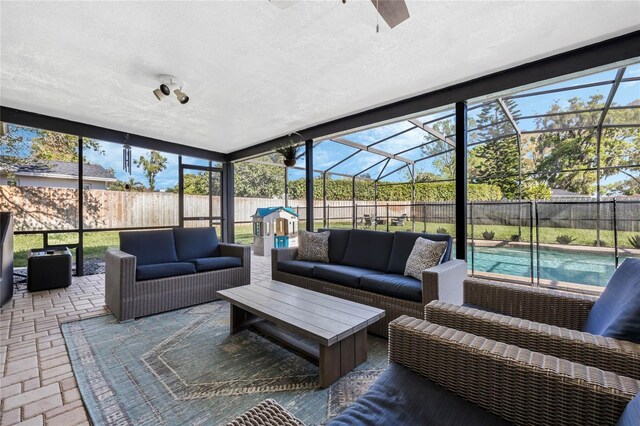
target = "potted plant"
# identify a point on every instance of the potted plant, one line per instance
(289, 152)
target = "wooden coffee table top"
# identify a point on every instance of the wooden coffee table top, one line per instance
(320, 317)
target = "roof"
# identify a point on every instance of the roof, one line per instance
(65, 168)
(564, 193)
(265, 211)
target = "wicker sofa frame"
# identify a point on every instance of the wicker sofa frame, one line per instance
(518, 385)
(440, 282)
(540, 320)
(128, 299)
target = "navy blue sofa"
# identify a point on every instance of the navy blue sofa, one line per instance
(160, 270)
(368, 267)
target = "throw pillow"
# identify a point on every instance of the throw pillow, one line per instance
(425, 254)
(313, 246)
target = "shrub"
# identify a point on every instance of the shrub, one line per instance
(602, 243)
(488, 235)
(442, 231)
(516, 237)
(565, 239)
(635, 241)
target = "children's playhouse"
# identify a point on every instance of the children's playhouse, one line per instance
(274, 227)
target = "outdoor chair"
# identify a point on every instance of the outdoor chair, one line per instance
(367, 223)
(439, 375)
(601, 332)
(399, 221)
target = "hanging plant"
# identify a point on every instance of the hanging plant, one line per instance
(289, 151)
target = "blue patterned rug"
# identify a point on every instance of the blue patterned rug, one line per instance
(183, 367)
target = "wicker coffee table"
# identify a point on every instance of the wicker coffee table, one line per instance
(338, 326)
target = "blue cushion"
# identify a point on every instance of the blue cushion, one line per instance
(338, 240)
(149, 247)
(215, 263)
(163, 270)
(298, 267)
(196, 243)
(631, 414)
(403, 244)
(617, 312)
(341, 274)
(394, 285)
(401, 397)
(368, 249)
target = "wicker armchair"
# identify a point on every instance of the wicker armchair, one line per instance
(511, 383)
(540, 320)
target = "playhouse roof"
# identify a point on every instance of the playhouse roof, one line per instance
(265, 211)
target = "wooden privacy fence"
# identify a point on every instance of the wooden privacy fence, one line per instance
(41, 208)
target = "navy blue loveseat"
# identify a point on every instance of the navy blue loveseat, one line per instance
(368, 267)
(160, 270)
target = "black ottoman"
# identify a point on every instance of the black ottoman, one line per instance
(49, 268)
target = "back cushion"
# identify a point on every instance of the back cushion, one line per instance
(149, 247)
(403, 243)
(617, 312)
(368, 249)
(338, 240)
(631, 414)
(196, 243)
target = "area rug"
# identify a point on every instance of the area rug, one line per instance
(183, 367)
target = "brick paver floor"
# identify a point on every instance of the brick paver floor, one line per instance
(37, 386)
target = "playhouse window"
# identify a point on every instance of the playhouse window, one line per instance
(257, 229)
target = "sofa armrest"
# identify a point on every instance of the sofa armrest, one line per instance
(546, 306)
(287, 253)
(514, 383)
(444, 282)
(609, 354)
(236, 250)
(120, 278)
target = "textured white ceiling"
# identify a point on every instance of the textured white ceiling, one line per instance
(256, 71)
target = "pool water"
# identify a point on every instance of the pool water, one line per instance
(555, 265)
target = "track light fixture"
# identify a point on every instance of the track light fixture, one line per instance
(168, 84)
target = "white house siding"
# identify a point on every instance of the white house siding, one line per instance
(51, 182)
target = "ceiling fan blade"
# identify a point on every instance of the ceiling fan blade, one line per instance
(394, 12)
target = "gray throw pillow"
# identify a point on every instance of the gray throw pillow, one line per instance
(313, 246)
(425, 254)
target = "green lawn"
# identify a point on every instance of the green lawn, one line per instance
(96, 243)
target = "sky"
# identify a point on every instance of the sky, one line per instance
(328, 153)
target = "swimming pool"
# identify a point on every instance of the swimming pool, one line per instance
(555, 265)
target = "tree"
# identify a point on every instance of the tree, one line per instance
(258, 180)
(26, 146)
(130, 185)
(496, 160)
(153, 164)
(444, 154)
(53, 146)
(534, 190)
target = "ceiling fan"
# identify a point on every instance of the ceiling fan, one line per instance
(394, 12)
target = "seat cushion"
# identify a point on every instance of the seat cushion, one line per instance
(338, 240)
(393, 285)
(401, 397)
(298, 267)
(149, 247)
(617, 312)
(163, 270)
(196, 243)
(368, 249)
(631, 414)
(341, 274)
(403, 243)
(215, 263)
